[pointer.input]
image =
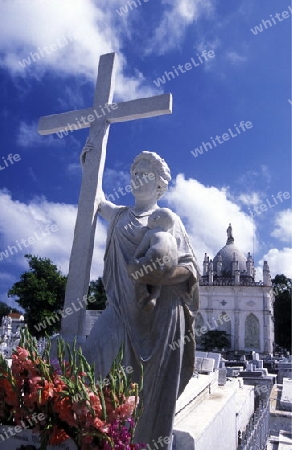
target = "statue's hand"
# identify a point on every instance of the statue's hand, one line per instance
(134, 269)
(87, 148)
(100, 198)
(177, 275)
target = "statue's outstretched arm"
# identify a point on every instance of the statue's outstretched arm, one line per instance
(103, 207)
(178, 275)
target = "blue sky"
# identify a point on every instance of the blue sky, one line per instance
(247, 80)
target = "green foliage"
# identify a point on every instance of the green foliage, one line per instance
(282, 311)
(215, 338)
(41, 293)
(96, 289)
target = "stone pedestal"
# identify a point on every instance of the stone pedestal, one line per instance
(208, 415)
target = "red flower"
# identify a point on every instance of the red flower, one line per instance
(63, 407)
(95, 422)
(58, 436)
(47, 392)
(22, 354)
(65, 394)
(124, 411)
(10, 394)
(95, 403)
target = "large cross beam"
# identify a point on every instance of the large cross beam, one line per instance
(98, 118)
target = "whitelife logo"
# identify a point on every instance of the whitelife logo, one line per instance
(221, 139)
(123, 10)
(270, 23)
(11, 250)
(47, 50)
(201, 59)
(86, 120)
(9, 160)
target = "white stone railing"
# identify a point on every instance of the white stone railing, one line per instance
(229, 282)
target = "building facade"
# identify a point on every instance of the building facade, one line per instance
(228, 289)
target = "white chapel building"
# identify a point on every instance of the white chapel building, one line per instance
(228, 289)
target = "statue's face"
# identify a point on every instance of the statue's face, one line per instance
(156, 220)
(144, 181)
(160, 219)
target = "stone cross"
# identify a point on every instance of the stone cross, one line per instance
(98, 118)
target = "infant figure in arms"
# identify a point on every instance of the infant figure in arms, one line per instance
(156, 252)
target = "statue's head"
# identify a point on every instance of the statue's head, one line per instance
(162, 218)
(153, 167)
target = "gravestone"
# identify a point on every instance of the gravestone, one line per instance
(286, 396)
(204, 365)
(201, 354)
(232, 372)
(222, 376)
(98, 118)
(217, 358)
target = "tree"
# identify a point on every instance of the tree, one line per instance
(41, 293)
(96, 289)
(282, 311)
(215, 339)
(6, 309)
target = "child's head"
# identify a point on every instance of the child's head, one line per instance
(161, 218)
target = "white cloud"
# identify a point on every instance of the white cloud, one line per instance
(74, 169)
(72, 98)
(29, 137)
(208, 44)
(80, 32)
(252, 198)
(7, 277)
(21, 221)
(9, 301)
(206, 212)
(252, 178)
(279, 261)
(177, 16)
(236, 58)
(283, 222)
(114, 179)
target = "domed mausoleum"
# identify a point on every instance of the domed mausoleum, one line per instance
(232, 301)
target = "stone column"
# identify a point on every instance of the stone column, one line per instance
(236, 318)
(267, 325)
(236, 329)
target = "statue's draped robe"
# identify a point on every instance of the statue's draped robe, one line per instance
(147, 337)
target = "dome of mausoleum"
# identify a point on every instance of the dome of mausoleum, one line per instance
(227, 254)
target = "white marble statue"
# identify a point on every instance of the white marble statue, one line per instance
(147, 335)
(156, 253)
(99, 119)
